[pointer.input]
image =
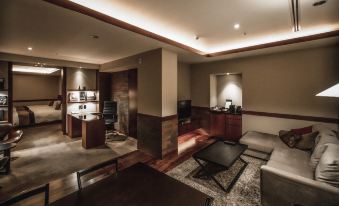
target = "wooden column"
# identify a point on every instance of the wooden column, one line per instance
(64, 99)
(10, 92)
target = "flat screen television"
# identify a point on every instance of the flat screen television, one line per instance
(184, 109)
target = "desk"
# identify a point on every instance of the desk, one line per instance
(90, 127)
(6, 148)
(139, 185)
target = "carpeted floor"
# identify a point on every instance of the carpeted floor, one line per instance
(41, 164)
(246, 191)
(40, 136)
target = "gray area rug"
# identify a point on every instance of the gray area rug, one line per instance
(245, 192)
(40, 165)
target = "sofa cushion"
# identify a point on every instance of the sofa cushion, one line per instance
(292, 160)
(324, 137)
(259, 141)
(301, 131)
(307, 141)
(323, 130)
(289, 138)
(328, 168)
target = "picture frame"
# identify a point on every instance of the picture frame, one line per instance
(228, 103)
(82, 96)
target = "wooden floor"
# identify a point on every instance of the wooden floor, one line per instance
(188, 144)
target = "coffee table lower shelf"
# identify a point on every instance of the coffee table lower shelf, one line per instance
(204, 171)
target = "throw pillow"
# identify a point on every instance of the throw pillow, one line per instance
(50, 103)
(289, 138)
(321, 146)
(301, 131)
(307, 141)
(328, 167)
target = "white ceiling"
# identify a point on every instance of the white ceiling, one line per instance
(58, 33)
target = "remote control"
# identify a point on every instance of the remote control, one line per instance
(229, 142)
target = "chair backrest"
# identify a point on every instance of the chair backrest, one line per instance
(27, 194)
(110, 107)
(94, 168)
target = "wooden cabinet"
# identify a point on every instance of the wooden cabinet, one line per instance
(228, 126)
(233, 127)
(217, 124)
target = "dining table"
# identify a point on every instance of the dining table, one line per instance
(138, 185)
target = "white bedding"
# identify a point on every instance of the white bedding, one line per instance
(15, 117)
(45, 113)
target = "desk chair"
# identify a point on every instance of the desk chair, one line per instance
(110, 114)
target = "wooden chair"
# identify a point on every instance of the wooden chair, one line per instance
(3, 163)
(27, 194)
(94, 168)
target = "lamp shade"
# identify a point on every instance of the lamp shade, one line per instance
(330, 92)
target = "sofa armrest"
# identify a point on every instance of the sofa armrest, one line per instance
(284, 188)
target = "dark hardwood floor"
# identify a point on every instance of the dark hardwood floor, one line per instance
(188, 144)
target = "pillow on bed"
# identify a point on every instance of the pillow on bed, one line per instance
(50, 103)
(58, 105)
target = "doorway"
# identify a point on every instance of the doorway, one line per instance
(121, 87)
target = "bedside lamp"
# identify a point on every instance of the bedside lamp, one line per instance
(330, 92)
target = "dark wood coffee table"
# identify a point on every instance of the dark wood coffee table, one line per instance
(221, 154)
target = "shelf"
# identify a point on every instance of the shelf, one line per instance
(3, 90)
(87, 90)
(3, 105)
(83, 101)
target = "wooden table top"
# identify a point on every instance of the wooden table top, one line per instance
(139, 185)
(87, 117)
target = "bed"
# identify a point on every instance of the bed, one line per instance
(35, 114)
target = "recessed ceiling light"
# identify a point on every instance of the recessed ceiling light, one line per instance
(227, 73)
(318, 3)
(236, 26)
(94, 36)
(38, 70)
(30, 48)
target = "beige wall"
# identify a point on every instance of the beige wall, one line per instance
(30, 87)
(169, 83)
(184, 81)
(229, 87)
(157, 80)
(149, 79)
(81, 77)
(279, 83)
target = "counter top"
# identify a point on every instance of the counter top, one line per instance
(225, 112)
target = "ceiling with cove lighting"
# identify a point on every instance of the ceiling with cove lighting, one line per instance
(194, 29)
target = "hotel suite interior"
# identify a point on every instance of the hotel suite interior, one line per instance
(154, 102)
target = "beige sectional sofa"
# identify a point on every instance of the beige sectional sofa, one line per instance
(292, 176)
